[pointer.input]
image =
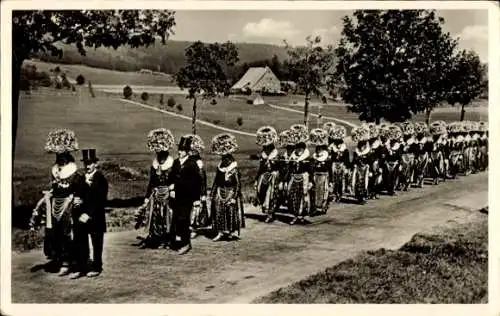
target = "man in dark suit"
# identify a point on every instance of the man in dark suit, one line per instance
(93, 218)
(187, 193)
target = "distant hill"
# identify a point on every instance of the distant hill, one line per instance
(167, 58)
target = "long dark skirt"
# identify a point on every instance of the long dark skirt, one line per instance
(159, 218)
(227, 215)
(321, 187)
(406, 175)
(392, 169)
(58, 237)
(455, 162)
(437, 167)
(338, 180)
(298, 198)
(420, 168)
(267, 192)
(360, 181)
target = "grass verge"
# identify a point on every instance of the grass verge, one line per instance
(450, 267)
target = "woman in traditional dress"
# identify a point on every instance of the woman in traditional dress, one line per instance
(469, 150)
(284, 174)
(376, 155)
(466, 149)
(393, 158)
(301, 180)
(360, 163)
(407, 155)
(322, 171)
(437, 141)
(421, 153)
(475, 135)
(266, 181)
(483, 146)
(339, 155)
(226, 196)
(62, 202)
(200, 216)
(455, 148)
(156, 212)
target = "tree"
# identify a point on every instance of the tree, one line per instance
(205, 73)
(467, 80)
(392, 64)
(309, 66)
(42, 31)
(127, 92)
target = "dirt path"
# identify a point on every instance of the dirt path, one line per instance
(266, 258)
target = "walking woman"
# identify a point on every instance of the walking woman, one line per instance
(226, 196)
(422, 155)
(483, 146)
(62, 202)
(322, 171)
(455, 148)
(284, 174)
(200, 216)
(407, 155)
(376, 157)
(299, 202)
(156, 212)
(339, 155)
(393, 158)
(437, 144)
(266, 181)
(360, 163)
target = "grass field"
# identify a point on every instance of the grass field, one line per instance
(104, 76)
(450, 267)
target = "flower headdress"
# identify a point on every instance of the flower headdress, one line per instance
(224, 144)
(60, 141)
(318, 137)
(338, 132)
(266, 135)
(160, 139)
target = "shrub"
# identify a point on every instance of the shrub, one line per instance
(171, 102)
(80, 80)
(144, 96)
(127, 92)
(57, 69)
(213, 102)
(161, 99)
(239, 121)
(216, 122)
(179, 107)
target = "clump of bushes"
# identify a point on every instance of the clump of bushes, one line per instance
(144, 96)
(127, 92)
(179, 107)
(31, 78)
(239, 121)
(171, 102)
(216, 122)
(213, 102)
(80, 80)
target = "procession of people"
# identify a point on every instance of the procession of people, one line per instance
(300, 173)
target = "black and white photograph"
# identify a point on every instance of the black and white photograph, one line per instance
(191, 154)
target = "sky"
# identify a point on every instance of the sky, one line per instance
(273, 26)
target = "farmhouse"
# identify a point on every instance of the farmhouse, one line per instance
(258, 79)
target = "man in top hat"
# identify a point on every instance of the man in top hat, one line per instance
(92, 218)
(187, 183)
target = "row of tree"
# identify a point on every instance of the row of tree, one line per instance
(389, 64)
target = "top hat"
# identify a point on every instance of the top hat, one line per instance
(185, 143)
(89, 156)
